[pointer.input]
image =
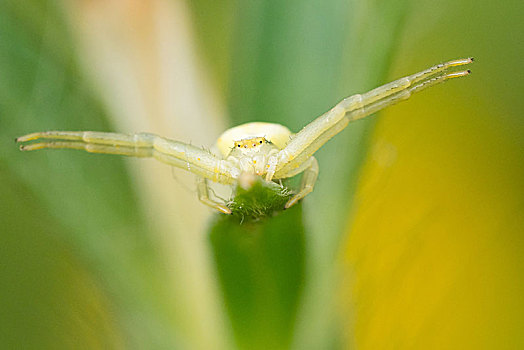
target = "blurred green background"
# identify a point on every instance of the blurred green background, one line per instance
(413, 237)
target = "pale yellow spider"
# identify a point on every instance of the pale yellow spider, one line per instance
(253, 149)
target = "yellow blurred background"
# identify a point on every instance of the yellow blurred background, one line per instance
(435, 254)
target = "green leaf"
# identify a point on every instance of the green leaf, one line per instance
(261, 270)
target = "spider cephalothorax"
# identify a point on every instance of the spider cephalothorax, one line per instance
(267, 150)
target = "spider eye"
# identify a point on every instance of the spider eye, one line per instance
(238, 146)
(254, 144)
(260, 141)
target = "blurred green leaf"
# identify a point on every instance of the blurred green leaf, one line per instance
(87, 202)
(48, 300)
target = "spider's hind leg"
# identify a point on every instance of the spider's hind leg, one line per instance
(203, 196)
(309, 177)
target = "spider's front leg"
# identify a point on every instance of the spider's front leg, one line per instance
(190, 158)
(308, 140)
(300, 149)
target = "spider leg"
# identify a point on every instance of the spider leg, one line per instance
(203, 196)
(181, 155)
(309, 177)
(307, 141)
(91, 148)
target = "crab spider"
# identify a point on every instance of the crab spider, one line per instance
(267, 150)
